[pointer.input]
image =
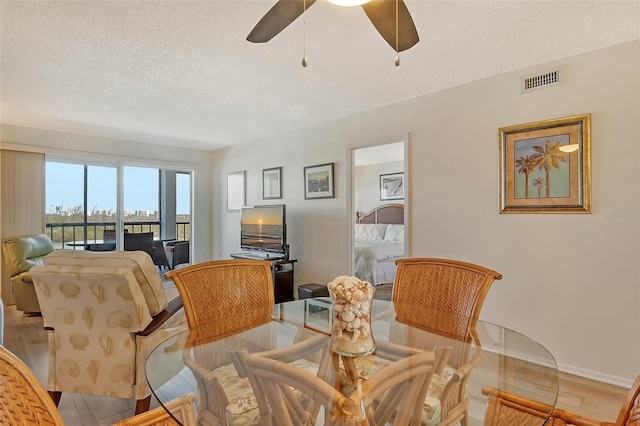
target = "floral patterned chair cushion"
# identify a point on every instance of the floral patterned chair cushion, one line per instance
(243, 408)
(370, 365)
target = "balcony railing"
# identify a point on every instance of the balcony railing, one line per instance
(77, 235)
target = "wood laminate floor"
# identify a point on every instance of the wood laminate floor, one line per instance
(25, 337)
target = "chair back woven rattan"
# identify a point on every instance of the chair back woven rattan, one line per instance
(399, 390)
(287, 395)
(442, 285)
(23, 399)
(507, 409)
(449, 295)
(221, 288)
(213, 294)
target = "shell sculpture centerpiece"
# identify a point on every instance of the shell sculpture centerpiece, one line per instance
(351, 322)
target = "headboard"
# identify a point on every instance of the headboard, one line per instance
(386, 213)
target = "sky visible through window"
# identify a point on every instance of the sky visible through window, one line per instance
(65, 183)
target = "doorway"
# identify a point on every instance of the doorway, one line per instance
(379, 198)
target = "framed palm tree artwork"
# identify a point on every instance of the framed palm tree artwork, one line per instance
(545, 166)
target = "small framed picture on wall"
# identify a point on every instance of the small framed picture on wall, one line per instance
(392, 186)
(272, 183)
(318, 181)
(235, 191)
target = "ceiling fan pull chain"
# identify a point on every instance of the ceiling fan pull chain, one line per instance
(304, 34)
(397, 61)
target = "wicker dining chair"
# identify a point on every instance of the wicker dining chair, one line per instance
(296, 360)
(454, 291)
(23, 399)
(290, 395)
(444, 285)
(507, 409)
(213, 294)
(400, 389)
(216, 289)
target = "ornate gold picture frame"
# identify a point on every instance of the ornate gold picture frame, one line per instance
(545, 166)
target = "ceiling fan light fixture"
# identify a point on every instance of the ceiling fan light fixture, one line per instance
(348, 3)
(570, 148)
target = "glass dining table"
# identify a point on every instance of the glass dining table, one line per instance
(278, 367)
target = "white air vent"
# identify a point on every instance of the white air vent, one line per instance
(538, 81)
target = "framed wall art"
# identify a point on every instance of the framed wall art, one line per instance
(318, 181)
(235, 191)
(545, 166)
(392, 186)
(272, 183)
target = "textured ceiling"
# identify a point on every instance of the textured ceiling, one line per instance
(181, 73)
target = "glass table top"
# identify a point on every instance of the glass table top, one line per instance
(206, 360)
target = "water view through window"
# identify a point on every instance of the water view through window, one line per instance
(82, 199)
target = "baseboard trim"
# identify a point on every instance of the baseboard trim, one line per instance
(595, 375)
(565, 368)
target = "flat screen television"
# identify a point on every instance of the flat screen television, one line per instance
(264, 228)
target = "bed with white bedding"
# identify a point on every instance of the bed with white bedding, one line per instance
(379, 241)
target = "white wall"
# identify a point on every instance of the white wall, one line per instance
(124, 152)
(367, 184)
(571, 281)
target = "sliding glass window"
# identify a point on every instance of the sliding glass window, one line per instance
(183, 206)
(102, 201)
(141, 200)
(81, 202)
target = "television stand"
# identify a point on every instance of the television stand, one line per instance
(281, 272)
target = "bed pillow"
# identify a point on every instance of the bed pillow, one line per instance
(394, 233)
(370, 231)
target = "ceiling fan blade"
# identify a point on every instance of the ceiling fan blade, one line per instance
(382, 14)
(277, 19)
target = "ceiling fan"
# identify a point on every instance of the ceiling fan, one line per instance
(381, 13)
